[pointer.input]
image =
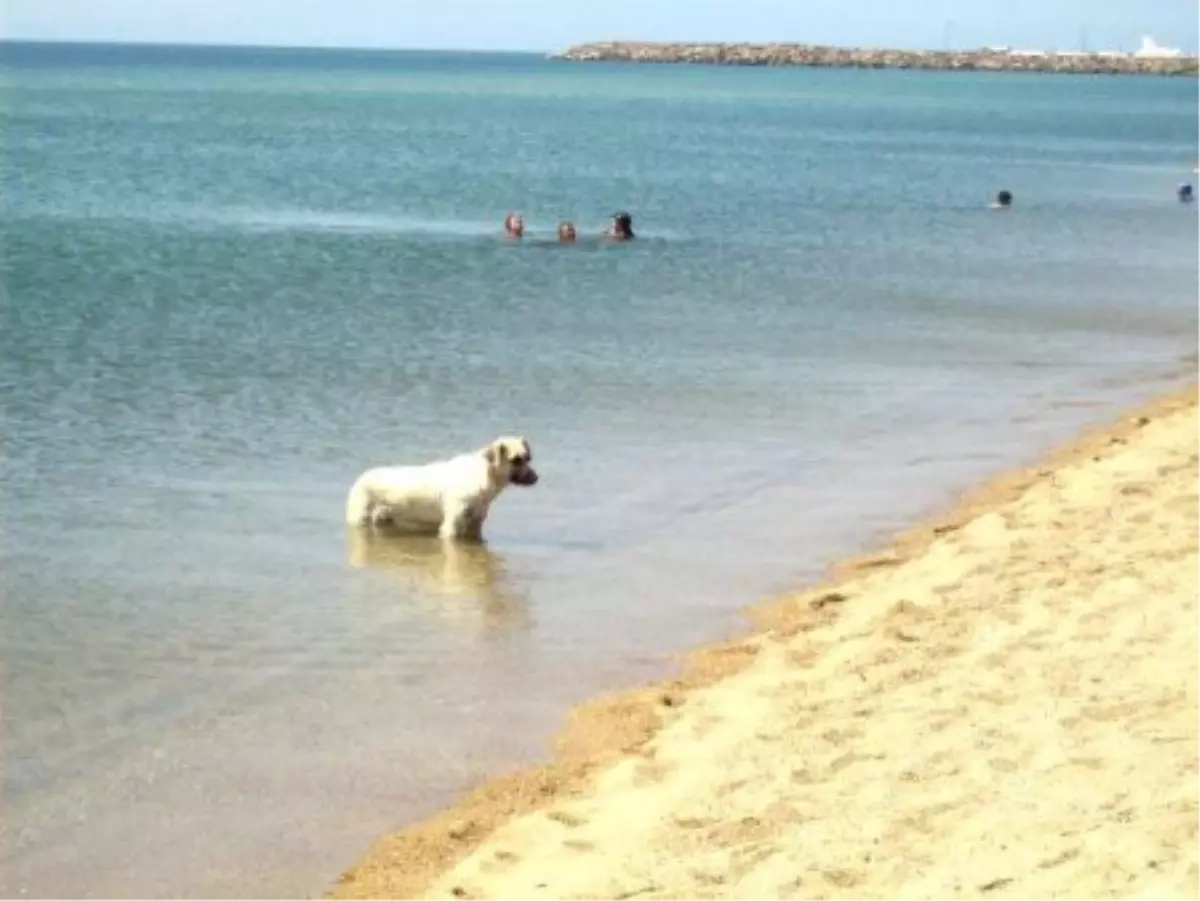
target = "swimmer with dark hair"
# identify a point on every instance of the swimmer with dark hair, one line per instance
(622, 227)
(1003, 200)
(1184, 193)
(566, 232)
(514, 225)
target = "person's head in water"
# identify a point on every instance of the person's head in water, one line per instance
(1184, 192)
(514, 225)
(1003, 200)
(566, 232)
(622, 227)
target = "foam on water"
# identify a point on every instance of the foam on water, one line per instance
(326, 220)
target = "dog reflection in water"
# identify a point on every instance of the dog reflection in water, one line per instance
(466, 580)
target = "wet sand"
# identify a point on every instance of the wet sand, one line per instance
(1001, 704)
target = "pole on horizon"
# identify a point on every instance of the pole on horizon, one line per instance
(947, 29)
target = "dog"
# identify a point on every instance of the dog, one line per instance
(450, 498)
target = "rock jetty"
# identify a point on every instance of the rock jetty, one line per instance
(813, 55)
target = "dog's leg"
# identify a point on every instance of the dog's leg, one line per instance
(474, 527)
(456, 519)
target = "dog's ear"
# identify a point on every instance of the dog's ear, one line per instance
(496, 454)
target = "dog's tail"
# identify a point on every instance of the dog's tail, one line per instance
(358, 504)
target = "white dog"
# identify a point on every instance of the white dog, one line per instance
(449, 497)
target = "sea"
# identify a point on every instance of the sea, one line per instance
(233, 278)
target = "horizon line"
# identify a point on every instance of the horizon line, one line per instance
(365, 48)
(255, 45)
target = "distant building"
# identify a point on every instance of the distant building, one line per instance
(1151, 49)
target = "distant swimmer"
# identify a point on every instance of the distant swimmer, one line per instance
(566, 232)
(1003, 200)
(622, 227)
(514, 225)
(1184, 193)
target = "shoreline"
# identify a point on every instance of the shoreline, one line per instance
(619, 731)
(820, 56)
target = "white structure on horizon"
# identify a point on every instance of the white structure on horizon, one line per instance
(1150, 48)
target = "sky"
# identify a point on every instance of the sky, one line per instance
(544, 25)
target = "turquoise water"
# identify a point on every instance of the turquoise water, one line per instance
(235, 278)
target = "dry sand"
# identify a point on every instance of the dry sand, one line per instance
(1004, 704)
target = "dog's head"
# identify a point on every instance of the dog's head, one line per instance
(510, 460)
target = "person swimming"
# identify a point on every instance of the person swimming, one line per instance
(514, 225)
(1184, 193)
(566, 232)
(1003, 200)
(622, 227)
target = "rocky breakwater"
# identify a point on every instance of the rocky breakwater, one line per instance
(812, 55)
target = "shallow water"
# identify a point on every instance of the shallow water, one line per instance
(234, 278)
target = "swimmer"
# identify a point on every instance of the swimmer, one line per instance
(1003, 200)
(566, 232)
(1184, 193)
(622, 227)
(514, 225)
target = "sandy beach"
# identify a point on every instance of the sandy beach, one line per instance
(1001, 704)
